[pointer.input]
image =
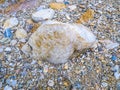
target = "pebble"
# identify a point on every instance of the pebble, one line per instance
(5, 40)
(9, 23)
(114, 57)
(117, 75)
(13, 42)
(104, 84)
(57, 6)
(72, 7)
(8, 49)
(21, 33)
(43, 14)
(51, 83)
(67, 16)
(8, 33)
(60, 1)
(77, 85)
(8, 88)
(1, 49)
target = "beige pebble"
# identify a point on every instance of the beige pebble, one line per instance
(21, 33)
(57, 6)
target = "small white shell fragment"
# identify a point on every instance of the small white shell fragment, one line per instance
(9, 23)
(43, 14)
(8, 88)
(56, 41)
(21, 33)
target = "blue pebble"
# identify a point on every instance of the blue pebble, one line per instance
(114, 57)
(77, 85)
(66, 2)
(8, 33)
(13, 77)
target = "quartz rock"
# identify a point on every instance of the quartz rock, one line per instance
(56, 41)
(43, 14)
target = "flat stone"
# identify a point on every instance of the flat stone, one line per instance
(43, 14)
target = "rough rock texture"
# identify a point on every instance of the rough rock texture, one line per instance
(55, 41)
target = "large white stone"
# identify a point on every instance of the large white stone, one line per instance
(43, 14)
(55, 41)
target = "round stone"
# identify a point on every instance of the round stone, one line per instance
(51, 83)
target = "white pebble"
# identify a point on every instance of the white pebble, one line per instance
(8, 49)
(117, 75)
(8, 88)
(13, 42)
(104, 84)
(22, 40)
(43, 14)
(67, 16)
(1, 49)
(72, 7)
(60, 1)
(51, 83)
(9, 23)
